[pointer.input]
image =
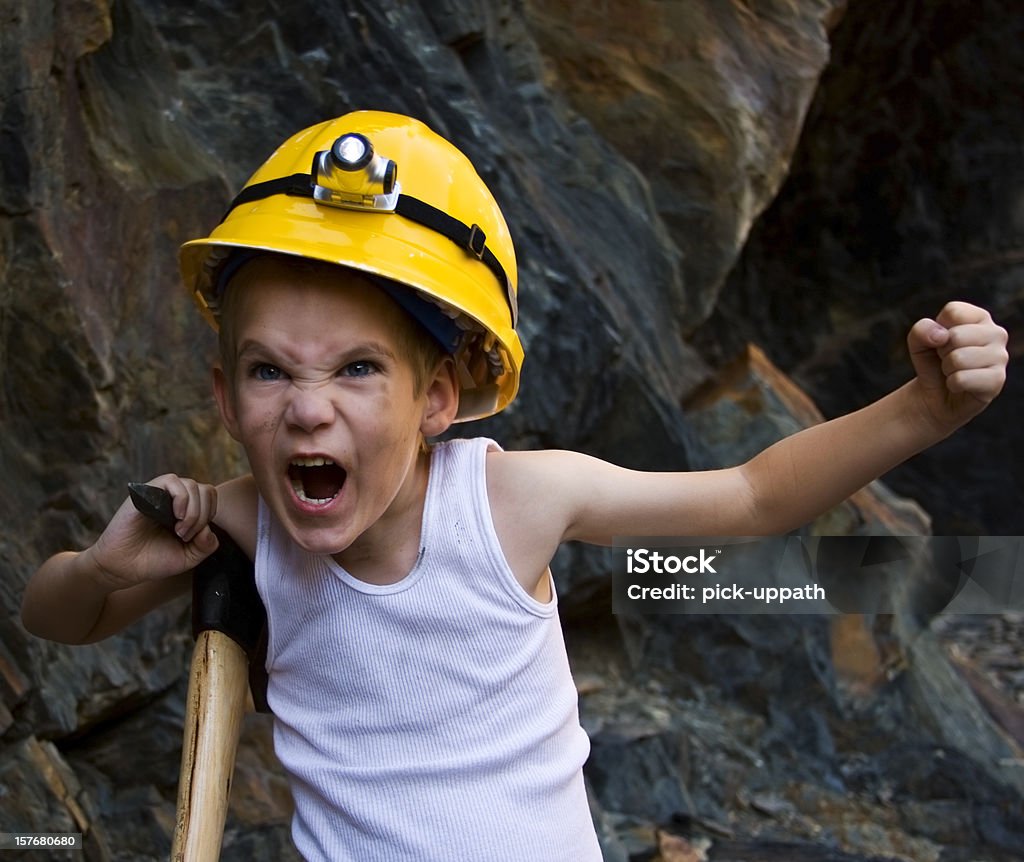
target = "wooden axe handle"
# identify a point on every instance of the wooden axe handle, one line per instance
(217, 689)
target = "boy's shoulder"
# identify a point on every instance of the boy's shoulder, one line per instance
(238, 511)
(511, 475)
(531, 480)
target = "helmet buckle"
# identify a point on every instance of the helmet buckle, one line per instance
(477, 242)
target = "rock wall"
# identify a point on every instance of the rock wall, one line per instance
(634, 148)
(903, 193)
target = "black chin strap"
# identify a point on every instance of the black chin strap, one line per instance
(470, 238)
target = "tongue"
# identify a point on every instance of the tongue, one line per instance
(321, 483)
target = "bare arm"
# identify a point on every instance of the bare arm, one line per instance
(542, 498)
(793, 481)
(960, 359)
(783, 487)
(83, 597)
(69, 599)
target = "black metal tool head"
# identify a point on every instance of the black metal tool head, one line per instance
(155, 503)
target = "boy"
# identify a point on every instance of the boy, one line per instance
(421, 692)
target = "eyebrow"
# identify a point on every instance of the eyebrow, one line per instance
(358, 349)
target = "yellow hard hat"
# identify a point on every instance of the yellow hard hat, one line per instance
(387, 196)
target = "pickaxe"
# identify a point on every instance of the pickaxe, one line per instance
(229, 625)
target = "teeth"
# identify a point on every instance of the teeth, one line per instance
(315, 501)
(312, 462)
(301, 494)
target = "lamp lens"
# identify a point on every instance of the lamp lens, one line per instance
(350, 149)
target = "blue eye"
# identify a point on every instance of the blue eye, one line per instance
(263, 371)
(359, 368)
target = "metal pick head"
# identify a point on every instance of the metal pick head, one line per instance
(155, 503)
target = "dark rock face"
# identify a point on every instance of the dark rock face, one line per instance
(634, 148)
(902, 194)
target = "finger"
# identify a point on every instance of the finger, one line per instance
(926, 335)
(966, 358)
(175, 486)
(206, 499)
(975, 335)
(196, 511)
(959, 313)
(981, 383)
(925, 338)
(184, 503)
(200, 547)
(208, 503)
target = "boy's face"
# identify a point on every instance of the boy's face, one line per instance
(324, 402)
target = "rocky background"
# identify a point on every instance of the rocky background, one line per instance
(727, 214)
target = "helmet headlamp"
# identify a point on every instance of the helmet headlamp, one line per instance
(350, 174)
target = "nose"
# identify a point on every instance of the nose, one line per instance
(309, 408)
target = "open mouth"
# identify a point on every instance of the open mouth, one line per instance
(316, 480)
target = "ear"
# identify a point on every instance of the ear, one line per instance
(223, 392)
(442, 399)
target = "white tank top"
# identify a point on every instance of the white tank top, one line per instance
(430, 719)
